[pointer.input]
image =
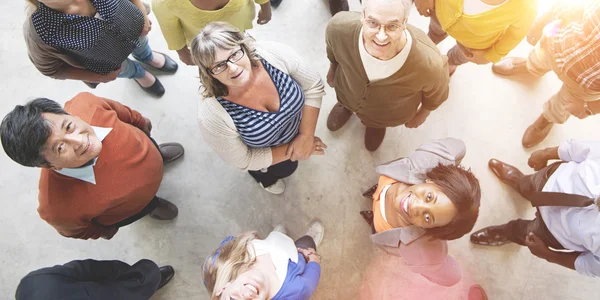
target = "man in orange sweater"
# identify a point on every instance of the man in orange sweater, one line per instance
(100, 168)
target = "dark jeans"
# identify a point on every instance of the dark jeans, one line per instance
(91, 279)
(275, 172)
(306, 242)
(517, 230)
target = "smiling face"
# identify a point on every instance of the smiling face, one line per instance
(236, 74)
(422, 205)
(72, 143)
(250, 285)
(383, 29)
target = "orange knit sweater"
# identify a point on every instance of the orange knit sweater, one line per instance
(128, 173)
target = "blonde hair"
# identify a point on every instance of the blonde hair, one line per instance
(218, 35)
(227, 262)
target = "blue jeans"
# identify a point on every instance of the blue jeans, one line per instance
(133, 69)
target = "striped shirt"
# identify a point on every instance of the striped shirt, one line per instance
(576, 47)
(261, 129)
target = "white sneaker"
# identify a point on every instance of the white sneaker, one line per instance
(280, 228)
(316, 230)
(277, 188)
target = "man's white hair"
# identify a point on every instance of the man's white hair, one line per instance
(406, 4)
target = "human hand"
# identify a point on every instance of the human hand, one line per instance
(535, 33)
(147, 26)
(577, 108)
(264, 15)
(538, 160)
(331, 75)
(303, 146)
(425, 7)
(147, 126)
(109, 233)
(537, 246)
(185, 56)
(310, 255)
(418, 119)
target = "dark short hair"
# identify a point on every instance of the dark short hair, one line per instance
(462, 188)
(24, 131)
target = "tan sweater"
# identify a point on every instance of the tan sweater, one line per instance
(218, 128)
(422, 80)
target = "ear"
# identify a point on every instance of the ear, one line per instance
(52, 168)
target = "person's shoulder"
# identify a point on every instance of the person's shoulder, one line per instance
(343, 22)
(424, 52)
(83, 102)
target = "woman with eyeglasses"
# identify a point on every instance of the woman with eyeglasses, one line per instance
(261, 104)
(276, 268)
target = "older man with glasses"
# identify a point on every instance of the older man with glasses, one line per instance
(386, 72)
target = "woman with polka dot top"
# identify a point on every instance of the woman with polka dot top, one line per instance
(91, 40)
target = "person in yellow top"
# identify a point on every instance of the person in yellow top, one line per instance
(181, 20)
(484, 30)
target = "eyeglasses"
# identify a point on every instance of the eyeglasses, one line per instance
(389, 28)
(222, 66)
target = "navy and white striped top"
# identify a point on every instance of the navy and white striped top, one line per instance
(261, 129)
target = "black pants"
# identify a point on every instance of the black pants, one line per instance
(306, 242)
(92, 279)
(275, 172)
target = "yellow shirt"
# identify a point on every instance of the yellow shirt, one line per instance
(498, 30)
(180, 21)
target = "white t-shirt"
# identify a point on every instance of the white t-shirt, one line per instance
(379, 69)
(281, 248)
(475, 7)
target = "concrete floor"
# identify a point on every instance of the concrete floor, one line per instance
(488, 112)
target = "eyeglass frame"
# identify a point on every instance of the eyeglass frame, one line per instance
(401, 27)
(228, 60)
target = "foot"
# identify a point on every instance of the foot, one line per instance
(166, 274)
(374, 138)
(511, 66)
(368, 216)
(276, 188)
(280, 228)
(151, 85)
(163, 63)
(506, 173)
(338, 117)
(490, 236)
(536, 132)
(316, 230)
(171, 151)
(452, 69)
(476, 292)
(165, 210)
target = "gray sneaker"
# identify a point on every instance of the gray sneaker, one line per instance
(316, 230)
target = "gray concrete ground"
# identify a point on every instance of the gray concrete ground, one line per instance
(488, 112)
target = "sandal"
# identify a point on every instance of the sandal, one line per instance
(368, 216)
(369, 193)
(489, 236)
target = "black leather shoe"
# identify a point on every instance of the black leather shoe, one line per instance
(165, 210)
(156, 89)
(91, 85)
(275, 3)
(166, 274)
(169, 67)
(171, 151)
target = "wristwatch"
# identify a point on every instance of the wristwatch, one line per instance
(587, 109)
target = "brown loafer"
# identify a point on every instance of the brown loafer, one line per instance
(374, 138)
(511, 66)
(536, 132)
(338, 117)
(171, 151)
(506, 173)
(165, 210)
(489, 236)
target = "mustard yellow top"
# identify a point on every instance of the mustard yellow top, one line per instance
(498, 30)
(180, 21)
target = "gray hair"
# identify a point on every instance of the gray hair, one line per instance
(215, 36)
(406, 4)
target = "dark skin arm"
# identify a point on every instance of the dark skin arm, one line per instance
(539, 159)
(541, 250)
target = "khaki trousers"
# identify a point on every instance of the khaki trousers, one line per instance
(540, 62)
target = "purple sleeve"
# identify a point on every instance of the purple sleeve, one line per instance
(311, 276)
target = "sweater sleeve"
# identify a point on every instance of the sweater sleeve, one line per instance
(311, 277)
(261, 2)
(170, 25)
(124, 113)
(431, 259)
(514, 34)
(78, 229)
(299, 70)
(436, 91)
(227, 142)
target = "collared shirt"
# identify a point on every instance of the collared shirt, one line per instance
(576, 46)
(86, 173)
(577, 228)
(99, 44)
(379, 69)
